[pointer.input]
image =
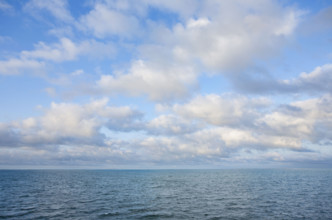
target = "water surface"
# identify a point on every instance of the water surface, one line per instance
(166, 194)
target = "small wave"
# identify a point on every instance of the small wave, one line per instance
(109, 214)
(156, 216)
(16, 215)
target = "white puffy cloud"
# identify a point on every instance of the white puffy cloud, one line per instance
(201, 37)
(172, 138)
(221, 110)
(318, 111)
(67, 50)
(221, 138)
(287, 126)
(67, 123)
(316, 82)
(171, 125)
(103, 21)
(319, 80)
(209, 145)
(308, 120)
(17, 66)
(203, 41)
(230, 35)
(145, 78)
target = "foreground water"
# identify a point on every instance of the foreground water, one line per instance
(166, 194)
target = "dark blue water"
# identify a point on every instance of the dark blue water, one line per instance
(166, 194)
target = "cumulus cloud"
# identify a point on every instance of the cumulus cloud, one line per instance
(66, 123)
(287, 126)
(318, 111)
(17, 66)
(103, 21)
(209, 144)
(169, 125)
(315, 82)
(318, 22)
(167, 59)
(222, 109)
(173, 137)
(307, 120)
(319, 80)
(67, 50)
(170, 65)
(8, 136)
(145, 78)
(204, 40)
(256, 31)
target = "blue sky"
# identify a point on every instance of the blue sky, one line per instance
(165, 84)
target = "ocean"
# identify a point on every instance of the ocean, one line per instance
(166, 194)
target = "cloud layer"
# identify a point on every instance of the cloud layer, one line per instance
(166, 83)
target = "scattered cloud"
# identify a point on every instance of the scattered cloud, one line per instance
(307, 120)
(4, 39)
(156, 56)
(184, 9)
(67, 50)
(145, 78)
(256, 32)
(65, 123)
(5, 7)
(222, 110)
(316, 82)
(57, 8)
(318, 22)
(50, 91)
(104, 22)
(169, 125)
(18, 66)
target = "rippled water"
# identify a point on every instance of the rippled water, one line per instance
(166, 194)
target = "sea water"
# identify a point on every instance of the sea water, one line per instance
(166, 194)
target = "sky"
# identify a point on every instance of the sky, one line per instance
(130, 84)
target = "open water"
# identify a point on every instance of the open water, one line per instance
(166, 194)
